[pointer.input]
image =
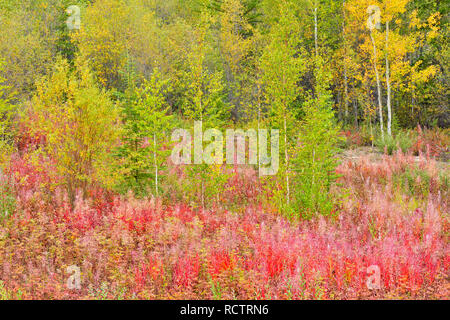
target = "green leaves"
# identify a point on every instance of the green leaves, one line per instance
(315, 162)
(204, 89)
(147, 123)
(282, 64)
(80, 125)
(7, 113)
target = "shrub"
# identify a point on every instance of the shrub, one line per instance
(144, 151)
(138, 248)
(357, 137)
(402, 141)
(7, 128)
(436, 141)
(315, 162)
(7, 196)
(80, 124)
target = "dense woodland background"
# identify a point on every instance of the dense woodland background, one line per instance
(253, 63)
(231, 38)
(87, 114)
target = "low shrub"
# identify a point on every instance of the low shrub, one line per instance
(7, 196)
(434, 141)
(402, 141)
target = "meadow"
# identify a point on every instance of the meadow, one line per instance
(394, 216)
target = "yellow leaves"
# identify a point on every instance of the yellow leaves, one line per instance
(5, 154)
(414, 20)
(104, 38)
(433, 22)
(393, 8)
(400, 45)
(357, 10)
(233, 45)
(79, 123)
(423, 75)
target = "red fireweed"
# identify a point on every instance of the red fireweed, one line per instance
(142, 248)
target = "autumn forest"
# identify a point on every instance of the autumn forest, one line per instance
(224, 149)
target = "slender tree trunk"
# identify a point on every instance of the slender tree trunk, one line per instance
(410, 58)
(155, 163)
(338, 102)
(202, 177)
(203, 194)
(355, 109)
(380, 106)
(316, 45)
(259, 119)
(388, 83)
(345, 92)
(345, 65)
(286, 159)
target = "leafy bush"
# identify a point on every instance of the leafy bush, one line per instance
(7, 197)
(315, 162)
(402, 141)
(144, 150)
(80, 124)
(434, 141)
(7, 127)
(417, 182)
(362, 136)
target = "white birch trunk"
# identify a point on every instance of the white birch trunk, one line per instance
(316, 45)
(380, 106)
(155, 163)
(388, 83)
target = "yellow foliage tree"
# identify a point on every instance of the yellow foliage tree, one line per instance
(80, 125)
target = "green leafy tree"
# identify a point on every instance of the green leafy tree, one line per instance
(282, 65)
(203, 100)
(146, 124)
(80, 124)
(315, 158)
(155, 121)
(7, 113)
